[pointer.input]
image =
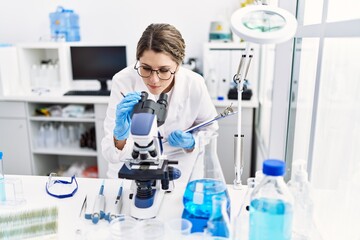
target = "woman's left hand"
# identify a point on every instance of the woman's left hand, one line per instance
(181, 139)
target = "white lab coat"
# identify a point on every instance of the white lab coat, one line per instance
(189, 104)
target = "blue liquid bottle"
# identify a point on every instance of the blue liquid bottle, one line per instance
(271, 205)
(2, 180)
(206, 181)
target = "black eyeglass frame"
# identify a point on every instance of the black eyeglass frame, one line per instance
(153, 70)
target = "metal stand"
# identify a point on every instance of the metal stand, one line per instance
(239, 79)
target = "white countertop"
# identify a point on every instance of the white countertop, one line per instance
(69, 208)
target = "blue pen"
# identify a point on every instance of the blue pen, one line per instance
(99, 206)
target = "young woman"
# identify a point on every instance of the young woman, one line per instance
(160, 53)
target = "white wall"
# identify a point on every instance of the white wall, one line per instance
(118, 21)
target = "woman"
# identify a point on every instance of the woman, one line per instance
(160, 52)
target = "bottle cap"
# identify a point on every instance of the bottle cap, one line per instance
(274, 167)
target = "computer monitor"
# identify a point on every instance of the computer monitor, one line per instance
(97, 62)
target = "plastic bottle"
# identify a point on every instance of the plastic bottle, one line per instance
(271, 205)
(241, 224)
(40, 138)
(219, 222)
(2, 180)
(64, 23)
(303, 205)
(34, 76)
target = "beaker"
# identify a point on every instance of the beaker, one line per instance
(206, 180)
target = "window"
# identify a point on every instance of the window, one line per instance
(324, 114)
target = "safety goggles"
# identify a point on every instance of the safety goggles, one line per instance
(61, 188)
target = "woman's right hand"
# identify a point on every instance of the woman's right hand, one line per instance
(123, 115)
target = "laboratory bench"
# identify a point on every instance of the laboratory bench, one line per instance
(22, 127)
(73, 225)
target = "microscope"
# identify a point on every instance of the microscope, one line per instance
(149, 169)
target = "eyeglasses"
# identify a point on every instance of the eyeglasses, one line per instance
(162, 73)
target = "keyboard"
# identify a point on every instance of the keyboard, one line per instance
(87, 93)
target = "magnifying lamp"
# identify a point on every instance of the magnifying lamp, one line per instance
(260, 24)
(263, 24)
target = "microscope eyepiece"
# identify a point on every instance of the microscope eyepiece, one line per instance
(163, 99)
(144, 96)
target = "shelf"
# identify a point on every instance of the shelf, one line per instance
(66, 151)
(61, 119)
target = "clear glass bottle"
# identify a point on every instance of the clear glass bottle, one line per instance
(271, 205)
(241, 223)
(206, 180)
(2, 180)
(219, 222)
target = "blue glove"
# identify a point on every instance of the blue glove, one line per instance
(123, 115)
(181, 139)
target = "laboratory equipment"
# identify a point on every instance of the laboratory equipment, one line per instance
(99, 205)
(178, 228)
(206, 180)
(117, 206)
(148, 167)
(124, 228)
(301, 189)
(61, 188)
(152, 229)
(29, 223)
(2, 180)
(13, 194)
(262, 24)
(220, 31)
(83, 206)
(219, 222)
(241, 222)
(64, 24)
(271, 205)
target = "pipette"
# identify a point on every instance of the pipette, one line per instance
(99, 206)
(116, 208)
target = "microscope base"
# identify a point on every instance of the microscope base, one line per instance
(147, 212)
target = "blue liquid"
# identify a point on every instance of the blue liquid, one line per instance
(219, 228)
(2, 190)
(201, 205)
(270, 219)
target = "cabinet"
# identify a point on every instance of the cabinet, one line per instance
(221, 61)
(55, 141)
(14, 138)
(34, 74)
(41, 155)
